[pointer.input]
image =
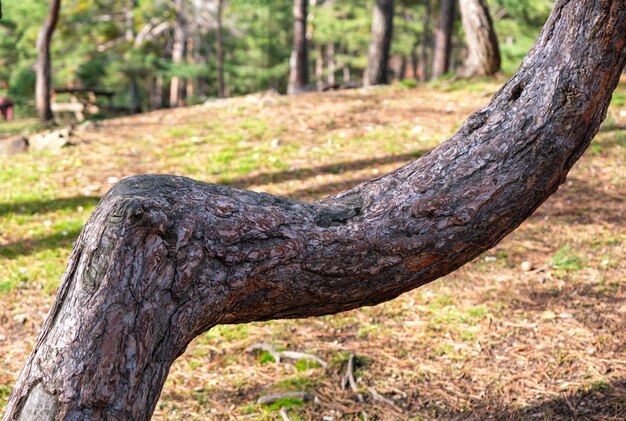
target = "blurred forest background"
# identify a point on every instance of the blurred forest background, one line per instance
(143, 50)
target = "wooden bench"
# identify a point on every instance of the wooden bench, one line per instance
(82, 101)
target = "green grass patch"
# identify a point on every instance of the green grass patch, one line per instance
(5, 391)
(296, 382)
(454, 315)
(23, 126)
(306, 364)
(600, 386)
(227, 333)
(565, 260)
(265, 358)
(619, 99)
(285, 403)
(408, 83)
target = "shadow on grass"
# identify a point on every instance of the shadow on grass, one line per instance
(38, 206)
(583, 203)
(315, 192)
(602, 401)
(57, 240)
(333, 168)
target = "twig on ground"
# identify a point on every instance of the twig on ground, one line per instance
(380, 398)
(273, 397)
(539, 269)
(348, 378)
(283, 413)
(290, 355)
(293, 355)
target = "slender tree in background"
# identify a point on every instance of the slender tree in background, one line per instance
(443, 38)
(330, 63)
(319, 66)
(177, 86)
(219, 49)
(483, 52)
(330, 56)
(299, 62)
(426, 37)
(163, 258)
(378, 53)
(131, 34)
(44, 67)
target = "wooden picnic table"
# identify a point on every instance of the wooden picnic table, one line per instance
(81, 100)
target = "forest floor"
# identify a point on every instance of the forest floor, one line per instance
(533, 329)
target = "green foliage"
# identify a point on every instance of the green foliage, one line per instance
(518, 28)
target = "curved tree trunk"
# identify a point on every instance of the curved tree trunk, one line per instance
(377, 71)
(483, 52)
(43, 67)
(443, 38)
(164, 258)
(299, 62)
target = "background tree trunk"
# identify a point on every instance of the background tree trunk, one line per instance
(133, 85)
(299, 63)
(330, 63)
(414, 62)
(425, 42)
(219, 50)
(377, 71)
(177, 85)
(483, 52)
(156, 92)
(44, 67)
(319, 66)
(443, 38)
(190, 47)
(164, 258)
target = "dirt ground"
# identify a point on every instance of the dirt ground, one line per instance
(533, 329)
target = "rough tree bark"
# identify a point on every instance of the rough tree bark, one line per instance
(43, 66)
(483, 52)
(299, 62)
(443, 38)
(377, 71)
(164, 258)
